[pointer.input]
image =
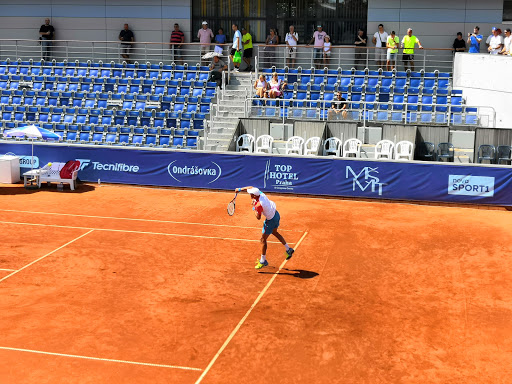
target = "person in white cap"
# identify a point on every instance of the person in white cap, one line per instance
(263, 205)
(205, 36)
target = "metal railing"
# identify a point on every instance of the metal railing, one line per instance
(264, 56)
(370, 112)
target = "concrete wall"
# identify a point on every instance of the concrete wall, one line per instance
(99, 20)
(485, 81)
(435, 22)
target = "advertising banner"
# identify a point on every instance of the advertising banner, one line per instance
(296, 175)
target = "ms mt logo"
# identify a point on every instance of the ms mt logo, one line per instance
(365, 180)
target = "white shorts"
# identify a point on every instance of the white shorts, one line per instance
(391, 56)
(219, 50)
(380, 54)
(291, 52)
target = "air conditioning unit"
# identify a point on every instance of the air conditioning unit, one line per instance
(281, 131)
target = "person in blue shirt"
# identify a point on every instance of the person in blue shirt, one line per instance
(220, 39)
(474, 40)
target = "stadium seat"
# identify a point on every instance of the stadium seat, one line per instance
(333, 147)
(504, 154)
(295, 145)
(426, 151)
(245, 143)
(384, 149)
(312, 146)
(164, 138)
(264, 144)
(445, 151)
(486, 152)
(404, 150)
(352, 147)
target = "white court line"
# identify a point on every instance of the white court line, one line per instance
(136, 219)
(42, 257)
(100, 359)
(139, 232)
(5, 269)
(241, 322)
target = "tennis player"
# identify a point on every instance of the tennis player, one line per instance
(262, 205)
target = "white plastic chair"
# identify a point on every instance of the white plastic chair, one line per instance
(264, 144)
(245, 143)
(295, 144)
(333, 146)
(384, 149)
(352, 147)
(312, 145)
(404, 150)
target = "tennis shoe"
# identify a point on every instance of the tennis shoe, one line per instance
(261, 265)
(289, 253)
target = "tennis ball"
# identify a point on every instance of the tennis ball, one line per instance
(49, 164)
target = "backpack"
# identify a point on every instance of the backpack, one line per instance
(67, 170)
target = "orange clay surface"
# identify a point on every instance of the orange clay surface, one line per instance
(376, 292)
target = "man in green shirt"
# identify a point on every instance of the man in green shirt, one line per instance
(408, 43)
(247, 43)
(392, 45)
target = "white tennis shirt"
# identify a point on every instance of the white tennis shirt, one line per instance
(269, 207)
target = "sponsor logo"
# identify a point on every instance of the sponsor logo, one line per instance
(211, 171)
(112, 167)
(26, 161)
(467, 185)
(280, 176)
(365, 180)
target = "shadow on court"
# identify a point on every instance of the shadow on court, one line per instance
(19, 189)
(300, 273)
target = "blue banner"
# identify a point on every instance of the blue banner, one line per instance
(298, 175)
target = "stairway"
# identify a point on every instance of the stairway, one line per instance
(228, 110)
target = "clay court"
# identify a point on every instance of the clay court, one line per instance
(122, 284)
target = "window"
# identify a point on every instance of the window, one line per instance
(507, 10)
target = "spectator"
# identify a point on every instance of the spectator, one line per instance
(392, 44)
(507, 42)
(205, 36)
(318, 38)
(177, 40)
(261, 86)
(127, 39)
(220, 38)
(327, 50)
(247, 43)
(496, 42)
(380, 39)
(338, 106)
(408, 43)
(488, 41)
(459, 45)
(271, 46)
(46, 35)
(236, 47)
(291, 39)
(217, 67)
(275, 86)
(360, 50)
(474, 40)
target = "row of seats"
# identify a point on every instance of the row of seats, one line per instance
(446, 151)
(20, 116)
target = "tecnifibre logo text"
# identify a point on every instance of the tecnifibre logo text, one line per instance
(112, 167)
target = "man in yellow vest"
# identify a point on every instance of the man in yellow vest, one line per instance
(408, 43)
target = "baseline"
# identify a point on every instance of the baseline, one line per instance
(48, 254)
(139, 232)
(136, 219)
(100, 359)
(241, 322)
(8, 270)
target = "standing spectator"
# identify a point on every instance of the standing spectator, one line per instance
(271, 46)
(474, 40)
(488, 41)
(392, 44)
(236, 47)
(177, 40)
(380, 39)
(220, 38)
(408, 43)
(507, 42)
(217, 67)
(247, 43)
(360, 50)
(496, 42)
(291, 39)
(318, 38)
(327, 50)
(205, 36)
(127, 38)
(46, 34)
(459, 45)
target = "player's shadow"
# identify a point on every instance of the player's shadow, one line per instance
(300, 273)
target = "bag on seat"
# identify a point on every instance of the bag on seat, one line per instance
(67, 170)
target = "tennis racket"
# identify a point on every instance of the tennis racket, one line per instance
(231, 206)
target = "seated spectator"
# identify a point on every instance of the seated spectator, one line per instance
(127, 38)
(495, 42)
(220, 38)
(459, 45)
(507, 42)
(261, 86)
(217, 67)
(338, 106)
(46, 34)
(275, 87)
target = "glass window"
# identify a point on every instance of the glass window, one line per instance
(507, 10)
